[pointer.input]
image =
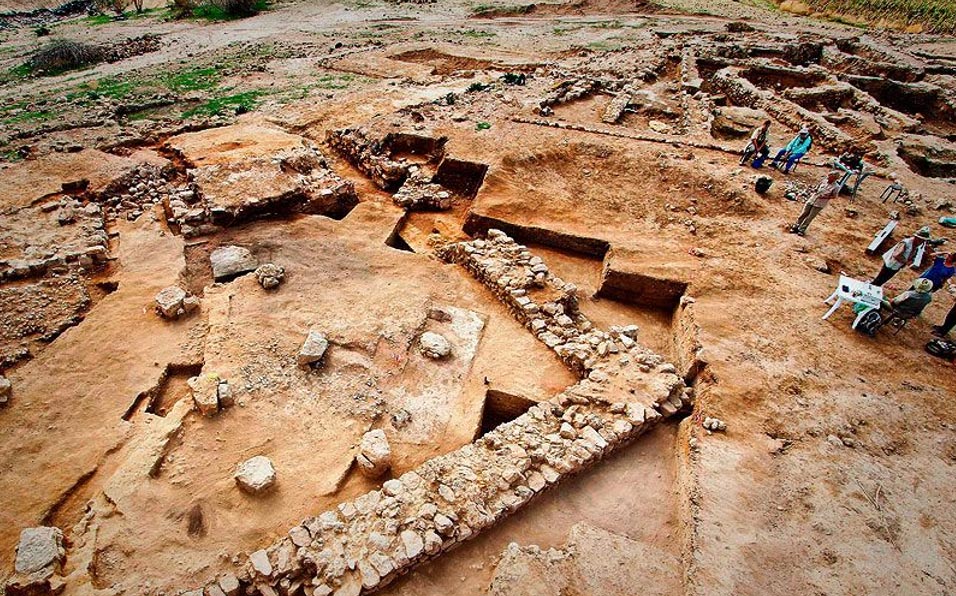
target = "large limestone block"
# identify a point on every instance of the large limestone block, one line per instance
(256, 475)
(39, 548)
(230, 261)
(375, 455)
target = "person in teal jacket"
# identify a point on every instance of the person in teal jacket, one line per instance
(794, 150)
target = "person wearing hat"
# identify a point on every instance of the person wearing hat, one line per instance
(901, 255)
(795, 149)
(911, 303)
(819, 199)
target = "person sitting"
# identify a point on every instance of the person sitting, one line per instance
(758, 145)
(908, 305)
(942, 269)
(795, 149)
(911, 303)
(901, 255)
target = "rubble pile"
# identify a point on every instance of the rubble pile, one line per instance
(73, 235)
(174, 302)
(567, 91)
(270, 275)
(418, 192)
(369, 156)
(147, 186)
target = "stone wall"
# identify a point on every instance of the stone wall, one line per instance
(369, 156)
(742, 92)
(365, 543)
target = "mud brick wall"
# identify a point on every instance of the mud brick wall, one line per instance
(369, 156)
(366, 543)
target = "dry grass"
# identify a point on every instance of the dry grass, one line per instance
(933, 16)
(59, 55)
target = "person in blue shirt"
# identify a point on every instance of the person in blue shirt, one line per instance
(942, 269)
(794, 150)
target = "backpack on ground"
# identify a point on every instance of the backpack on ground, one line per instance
(941, 348)
(870, 323)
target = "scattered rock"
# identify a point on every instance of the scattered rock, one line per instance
(739, 27)
(256, 475)
(375, 454)
(715, 424)
(225, 395)
(270, 275)
(6, 389)
(660, 127)
(434, 346)
(260, 561)
(818, 264)
(229, 584)
(401, 418)
(313, 349)
(66, 215)
(174, 302)
(231, 261)
(205, 390)
(39, 548)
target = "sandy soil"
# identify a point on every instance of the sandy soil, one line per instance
(833, 476)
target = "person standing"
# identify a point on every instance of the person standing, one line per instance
(942, 269)
(819, 199)
(948, 323)
(901, 255)
(795, 149)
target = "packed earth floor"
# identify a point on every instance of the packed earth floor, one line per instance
(437, 298)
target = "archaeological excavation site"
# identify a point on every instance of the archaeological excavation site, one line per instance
(440, 298)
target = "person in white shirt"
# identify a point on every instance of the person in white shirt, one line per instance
(901, 255)
(827, 189)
